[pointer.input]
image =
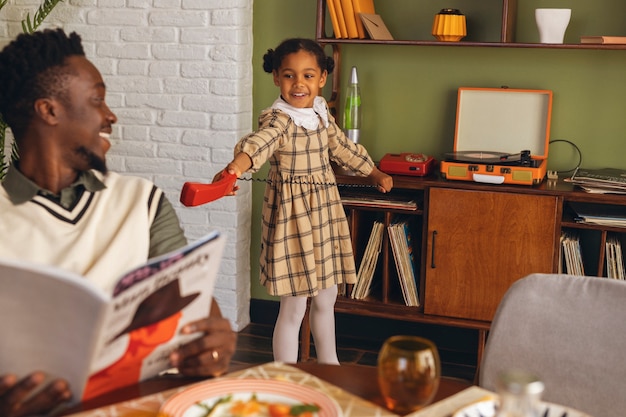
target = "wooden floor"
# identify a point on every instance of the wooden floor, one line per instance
(359, 340)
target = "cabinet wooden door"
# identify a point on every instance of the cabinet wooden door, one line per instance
(479, 242)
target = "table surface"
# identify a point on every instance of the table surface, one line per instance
(362, 381)
(352, 386)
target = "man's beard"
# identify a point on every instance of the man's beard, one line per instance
(93, 161)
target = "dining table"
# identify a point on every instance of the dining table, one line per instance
(354, 388)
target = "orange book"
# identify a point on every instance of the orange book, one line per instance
(340, 18)
(362, 6)
(603, 39)
(333, 18)
(350, 18)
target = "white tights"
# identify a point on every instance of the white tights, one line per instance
(322, 319)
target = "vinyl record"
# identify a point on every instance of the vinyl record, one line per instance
(484, 157)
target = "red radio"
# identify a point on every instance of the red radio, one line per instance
(407, 164)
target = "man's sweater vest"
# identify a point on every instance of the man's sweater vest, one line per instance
(102, 236)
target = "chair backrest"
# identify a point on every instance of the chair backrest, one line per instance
(571, 332)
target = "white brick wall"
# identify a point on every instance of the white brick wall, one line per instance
(179, 78)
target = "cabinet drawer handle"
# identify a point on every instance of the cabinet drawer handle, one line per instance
(432, 254)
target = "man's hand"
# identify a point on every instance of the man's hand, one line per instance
(16, 399)
(210, 354)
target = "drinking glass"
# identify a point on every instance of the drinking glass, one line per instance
(408, 373)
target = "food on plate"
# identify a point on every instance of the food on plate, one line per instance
(253, 407)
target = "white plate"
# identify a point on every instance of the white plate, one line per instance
(184, 404)
(487, 408)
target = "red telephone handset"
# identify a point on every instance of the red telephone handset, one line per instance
(196, 193)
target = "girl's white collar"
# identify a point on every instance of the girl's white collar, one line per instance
(307, 118)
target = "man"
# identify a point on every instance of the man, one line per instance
(59, 205)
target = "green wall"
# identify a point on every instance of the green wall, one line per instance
(409, 92)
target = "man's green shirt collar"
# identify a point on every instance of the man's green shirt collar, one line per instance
(21, 189)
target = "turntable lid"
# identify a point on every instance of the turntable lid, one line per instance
(503, 120)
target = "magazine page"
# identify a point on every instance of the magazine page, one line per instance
(149, 307)
(50, 321)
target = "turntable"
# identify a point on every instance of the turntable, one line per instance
(501, 136)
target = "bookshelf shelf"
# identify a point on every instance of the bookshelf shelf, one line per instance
(587, 226)
(506, 25)
(416, 212)
(409, 212)
(324, 40)
(399, 311)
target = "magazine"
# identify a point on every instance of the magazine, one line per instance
(58, 322)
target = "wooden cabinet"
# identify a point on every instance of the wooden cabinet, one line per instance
(479, 242)
(477, 239)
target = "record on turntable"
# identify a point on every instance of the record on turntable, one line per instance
(489, 157)
(478, 156)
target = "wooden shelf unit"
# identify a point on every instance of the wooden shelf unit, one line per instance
(553, 194)
(507, 32)
(533, 216)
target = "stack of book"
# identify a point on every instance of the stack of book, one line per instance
(391, 200)
(614, 259)
(345, 16)
(571, 254)
(369, 261)
(604, 180)
(402, 248)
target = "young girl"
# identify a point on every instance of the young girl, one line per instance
(306, 249)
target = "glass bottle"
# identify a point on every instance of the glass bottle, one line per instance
(520, 394)
(352, 110)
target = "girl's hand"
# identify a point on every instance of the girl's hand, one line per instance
(237, 166)
(382, 180)
(232, 171)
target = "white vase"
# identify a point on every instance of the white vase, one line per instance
(552, 24)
